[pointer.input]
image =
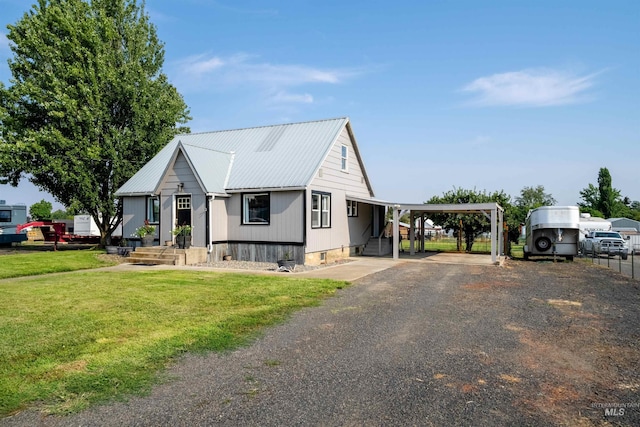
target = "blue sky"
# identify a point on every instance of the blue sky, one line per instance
(492, 95)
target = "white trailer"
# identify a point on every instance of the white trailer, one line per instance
(553, 231)
(589, 223)
(84, 225)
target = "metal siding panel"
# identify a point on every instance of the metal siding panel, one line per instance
(322, 239)
(133, 215)
(333, 178)
(181, 172)
(199, 220)
(286, 222)
(219, 219)
(166, 215)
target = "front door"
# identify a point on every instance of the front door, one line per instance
(183, 210)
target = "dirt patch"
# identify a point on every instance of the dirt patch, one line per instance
(586, 354)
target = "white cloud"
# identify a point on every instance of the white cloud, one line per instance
(204, 72)
(199, 65)
(530, 88)
(285, 97)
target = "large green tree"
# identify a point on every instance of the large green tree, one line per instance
(530, 198)
(603, 200)
(472, 224)
(87, 104)
(534, 197)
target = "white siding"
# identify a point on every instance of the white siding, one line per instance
(134, 212)
(330, 178)
(219, 219)
(286, 219)
(181, 173)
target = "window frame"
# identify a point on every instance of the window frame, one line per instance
(344, 158)
(323, 211)
(181, 202)
(152, 216)
(4, 218)
(245, 209)
(352, 208)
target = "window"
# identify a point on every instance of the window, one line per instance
(345, 155)
(153, 209)
(320, 210)
(256, 208)
(352, 208)
(5, 216)
(183, 202)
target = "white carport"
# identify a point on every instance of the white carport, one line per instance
(493, 211)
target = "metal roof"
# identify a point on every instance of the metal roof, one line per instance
(279, 156)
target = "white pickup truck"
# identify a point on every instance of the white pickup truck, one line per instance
(610, 243)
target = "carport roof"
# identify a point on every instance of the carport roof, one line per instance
(440, 208)
(449, 208)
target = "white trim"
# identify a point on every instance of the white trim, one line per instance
(344, 157)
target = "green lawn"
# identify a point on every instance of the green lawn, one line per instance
(72, 339)
(34, 263)
(448, 244)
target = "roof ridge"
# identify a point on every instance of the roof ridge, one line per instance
(205, 148)
(264, 126)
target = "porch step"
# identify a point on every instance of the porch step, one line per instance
(153, 261)
(375, 247)
(167, 255)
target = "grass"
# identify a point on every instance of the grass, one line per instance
(447, 244)
(70, 340)
(34, 263)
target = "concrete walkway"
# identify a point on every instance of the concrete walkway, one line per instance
(357, 268)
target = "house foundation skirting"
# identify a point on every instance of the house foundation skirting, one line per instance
(273, 252)
(332, 255)
(258, 252)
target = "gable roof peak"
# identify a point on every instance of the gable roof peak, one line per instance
(346, 118)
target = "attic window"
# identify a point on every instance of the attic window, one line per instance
(344, 158)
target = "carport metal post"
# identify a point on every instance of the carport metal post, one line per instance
(396, 232)
(412, 233)
(494, 227)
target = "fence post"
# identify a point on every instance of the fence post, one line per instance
(619, 263)
(633, 275)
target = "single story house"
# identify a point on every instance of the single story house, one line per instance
(260, 193)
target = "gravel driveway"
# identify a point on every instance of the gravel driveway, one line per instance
(530, 343)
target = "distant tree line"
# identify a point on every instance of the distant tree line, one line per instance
(603, 201)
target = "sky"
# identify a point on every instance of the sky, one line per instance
(491, 95)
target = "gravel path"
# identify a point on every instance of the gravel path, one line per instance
(527, 344)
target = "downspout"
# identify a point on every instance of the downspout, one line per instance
(210, 225)
(304, 226)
